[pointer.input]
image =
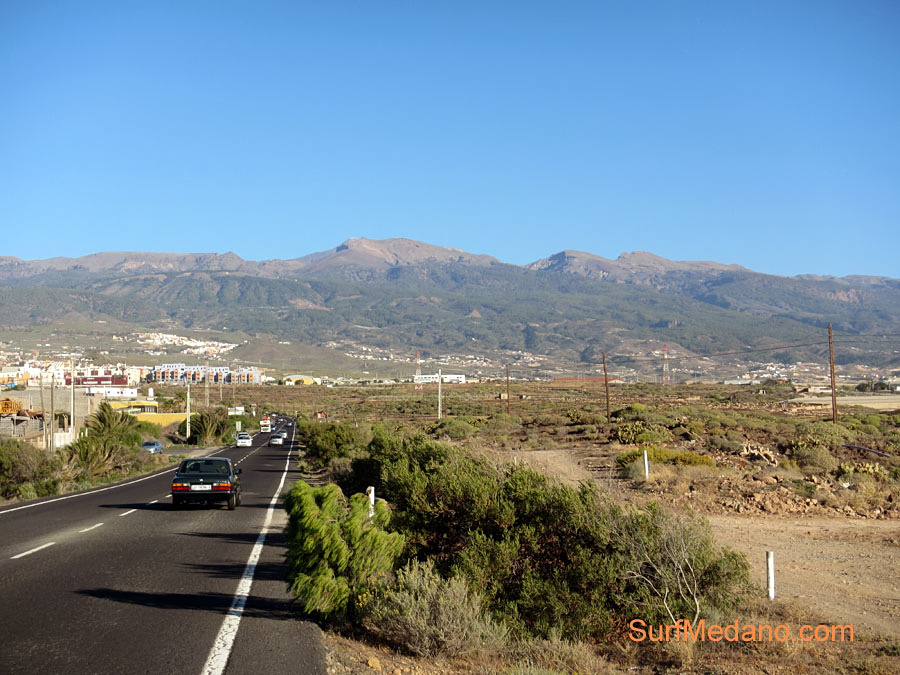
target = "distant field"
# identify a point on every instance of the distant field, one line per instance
(876, 402)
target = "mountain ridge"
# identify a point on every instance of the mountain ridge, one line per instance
(377, 256)
(402, 295)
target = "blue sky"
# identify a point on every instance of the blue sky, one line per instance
(760, 133)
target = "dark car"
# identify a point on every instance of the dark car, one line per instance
(206, 480)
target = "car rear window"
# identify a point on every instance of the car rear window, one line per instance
(204, 466)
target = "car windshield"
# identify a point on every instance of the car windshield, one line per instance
(204, 466)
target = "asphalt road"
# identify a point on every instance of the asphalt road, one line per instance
(116, 581)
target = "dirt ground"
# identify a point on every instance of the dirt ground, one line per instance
(845, 570)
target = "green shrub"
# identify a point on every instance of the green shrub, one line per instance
(629, 433)
(815, 457)
(804, 489)
(455, 429)
(635, 411)
(426, 615)
(26, 491)
(22, 463)
(326, 441)
(579, 416)
(824, 433)
(335, 551)
(548, 559)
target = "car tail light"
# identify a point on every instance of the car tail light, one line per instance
(221, 486)
(180, 486)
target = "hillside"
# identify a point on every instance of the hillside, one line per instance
(402, 295)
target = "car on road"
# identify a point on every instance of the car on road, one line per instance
(276, 439)
(206, 480)
(283, 434)
(244, 440)
(153, 447)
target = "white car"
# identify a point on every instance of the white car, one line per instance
(244, 440)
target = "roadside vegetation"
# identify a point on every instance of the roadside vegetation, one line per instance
(107, 450)
(505, 569)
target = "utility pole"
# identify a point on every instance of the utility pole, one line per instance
(507, 389)
(187, 433)
(52, 414)
(43, 413)
(72, 406)
(206, 378)
(831, 361)
(606, 382)
(440, 379)
(666, 378)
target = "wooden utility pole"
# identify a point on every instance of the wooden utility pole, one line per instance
(831, 362)
(43, 413)
(206, 377)
(187, 432)
(507, 389)
(606, 382)
(72, 408)
(52, 414)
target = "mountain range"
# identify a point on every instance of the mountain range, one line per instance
(399, 294)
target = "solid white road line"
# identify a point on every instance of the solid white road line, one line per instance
(34, 550)
(221, 649)
(92, 527)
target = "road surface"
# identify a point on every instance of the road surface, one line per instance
(115, 580)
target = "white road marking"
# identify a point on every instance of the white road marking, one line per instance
(221, 649)
(127, 512)
(34, 550)
(84, 494)
(153, 502)
(92, 527)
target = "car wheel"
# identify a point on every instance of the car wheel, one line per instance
(232, 502)
(239, 499)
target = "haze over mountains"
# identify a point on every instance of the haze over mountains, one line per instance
(406, 295)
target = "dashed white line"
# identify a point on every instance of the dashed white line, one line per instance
(34, 550)
(127, 512)
(92, 527)
(84, 494)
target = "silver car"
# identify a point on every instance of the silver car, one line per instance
(153, 447)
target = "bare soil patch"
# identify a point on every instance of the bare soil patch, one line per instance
(844, 570)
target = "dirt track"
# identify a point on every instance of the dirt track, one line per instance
(846, 571)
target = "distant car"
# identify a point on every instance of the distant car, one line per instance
(244, 440)
(276, 439)
(283, 434)
(153, 447)
(207, 480)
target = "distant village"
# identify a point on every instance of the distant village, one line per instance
(29, 379)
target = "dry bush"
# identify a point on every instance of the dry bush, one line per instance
(554, 655)
(426, 615)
